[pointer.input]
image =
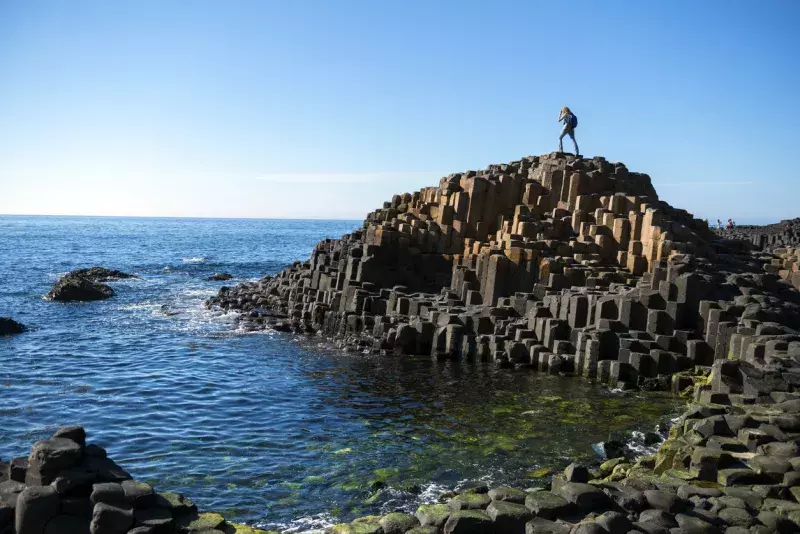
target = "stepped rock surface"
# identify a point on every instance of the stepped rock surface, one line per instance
(556, 263)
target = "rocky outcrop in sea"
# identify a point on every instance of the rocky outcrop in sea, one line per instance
(86, 284)
(9, 327)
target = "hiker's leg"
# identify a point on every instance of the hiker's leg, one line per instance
(574, 142)
(561, 140)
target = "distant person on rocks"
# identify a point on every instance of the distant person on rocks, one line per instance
(729, 226)
(570, 123)
(719, 224)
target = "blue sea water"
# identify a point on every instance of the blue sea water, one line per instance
(265, 428)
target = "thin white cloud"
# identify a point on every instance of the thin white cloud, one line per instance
(683, 184)
(340, 177)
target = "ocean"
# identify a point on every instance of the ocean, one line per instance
(265, 428)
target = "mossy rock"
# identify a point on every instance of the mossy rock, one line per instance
(540, 473)
(238, 528)
(204, 521)
(398, 523)
(468, 521)
(365, 527)
(608, 466)
(469, 501)
(180, 504)
(368, 519)
(434, 515)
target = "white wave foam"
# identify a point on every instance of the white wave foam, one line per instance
(313, 524)
(194, 260)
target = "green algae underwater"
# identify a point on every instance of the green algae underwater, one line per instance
(431, 425)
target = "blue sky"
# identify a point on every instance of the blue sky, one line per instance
(325, 109)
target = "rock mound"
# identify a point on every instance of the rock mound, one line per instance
(9, 326)
(219, 277)
(65, 486)
(86, 285)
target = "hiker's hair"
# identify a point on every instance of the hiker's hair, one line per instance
(565, 109)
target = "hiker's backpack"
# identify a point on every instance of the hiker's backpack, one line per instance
(573, 121)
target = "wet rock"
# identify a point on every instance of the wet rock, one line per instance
(504, 493)
(540, 525)
(9, 327)
(434, 515)
(468, 522)
(659, 518)
(586, 497)
(546, 505)
(469, 501)
(588, 527)
(736, 517)
(180, 505)
(138, 494)
(398, 523)
(473, 487)
(509, 517)
(666, 501)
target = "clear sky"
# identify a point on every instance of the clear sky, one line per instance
(323, 109)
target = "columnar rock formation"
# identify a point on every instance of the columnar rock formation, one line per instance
(552, 262)
(68, 487)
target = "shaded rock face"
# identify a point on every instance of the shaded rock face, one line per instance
(86, 285)
(9, 327)
(73, 488)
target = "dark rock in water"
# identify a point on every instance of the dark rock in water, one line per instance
(219, 277)
(86, 284)
(75, 288)
(101, 274)
(9, 326)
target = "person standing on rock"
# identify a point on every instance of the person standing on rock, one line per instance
(570, 123)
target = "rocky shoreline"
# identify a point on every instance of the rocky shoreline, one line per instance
(553, 264)
(574, 266)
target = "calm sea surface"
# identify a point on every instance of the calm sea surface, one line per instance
(265, 428)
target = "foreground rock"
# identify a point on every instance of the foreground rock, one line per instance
(86, 285)
(9, 327)
(68, 487)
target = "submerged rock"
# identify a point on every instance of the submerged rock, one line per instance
(86, 284)
(9, 326)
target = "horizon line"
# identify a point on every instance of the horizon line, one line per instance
(180, 217)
